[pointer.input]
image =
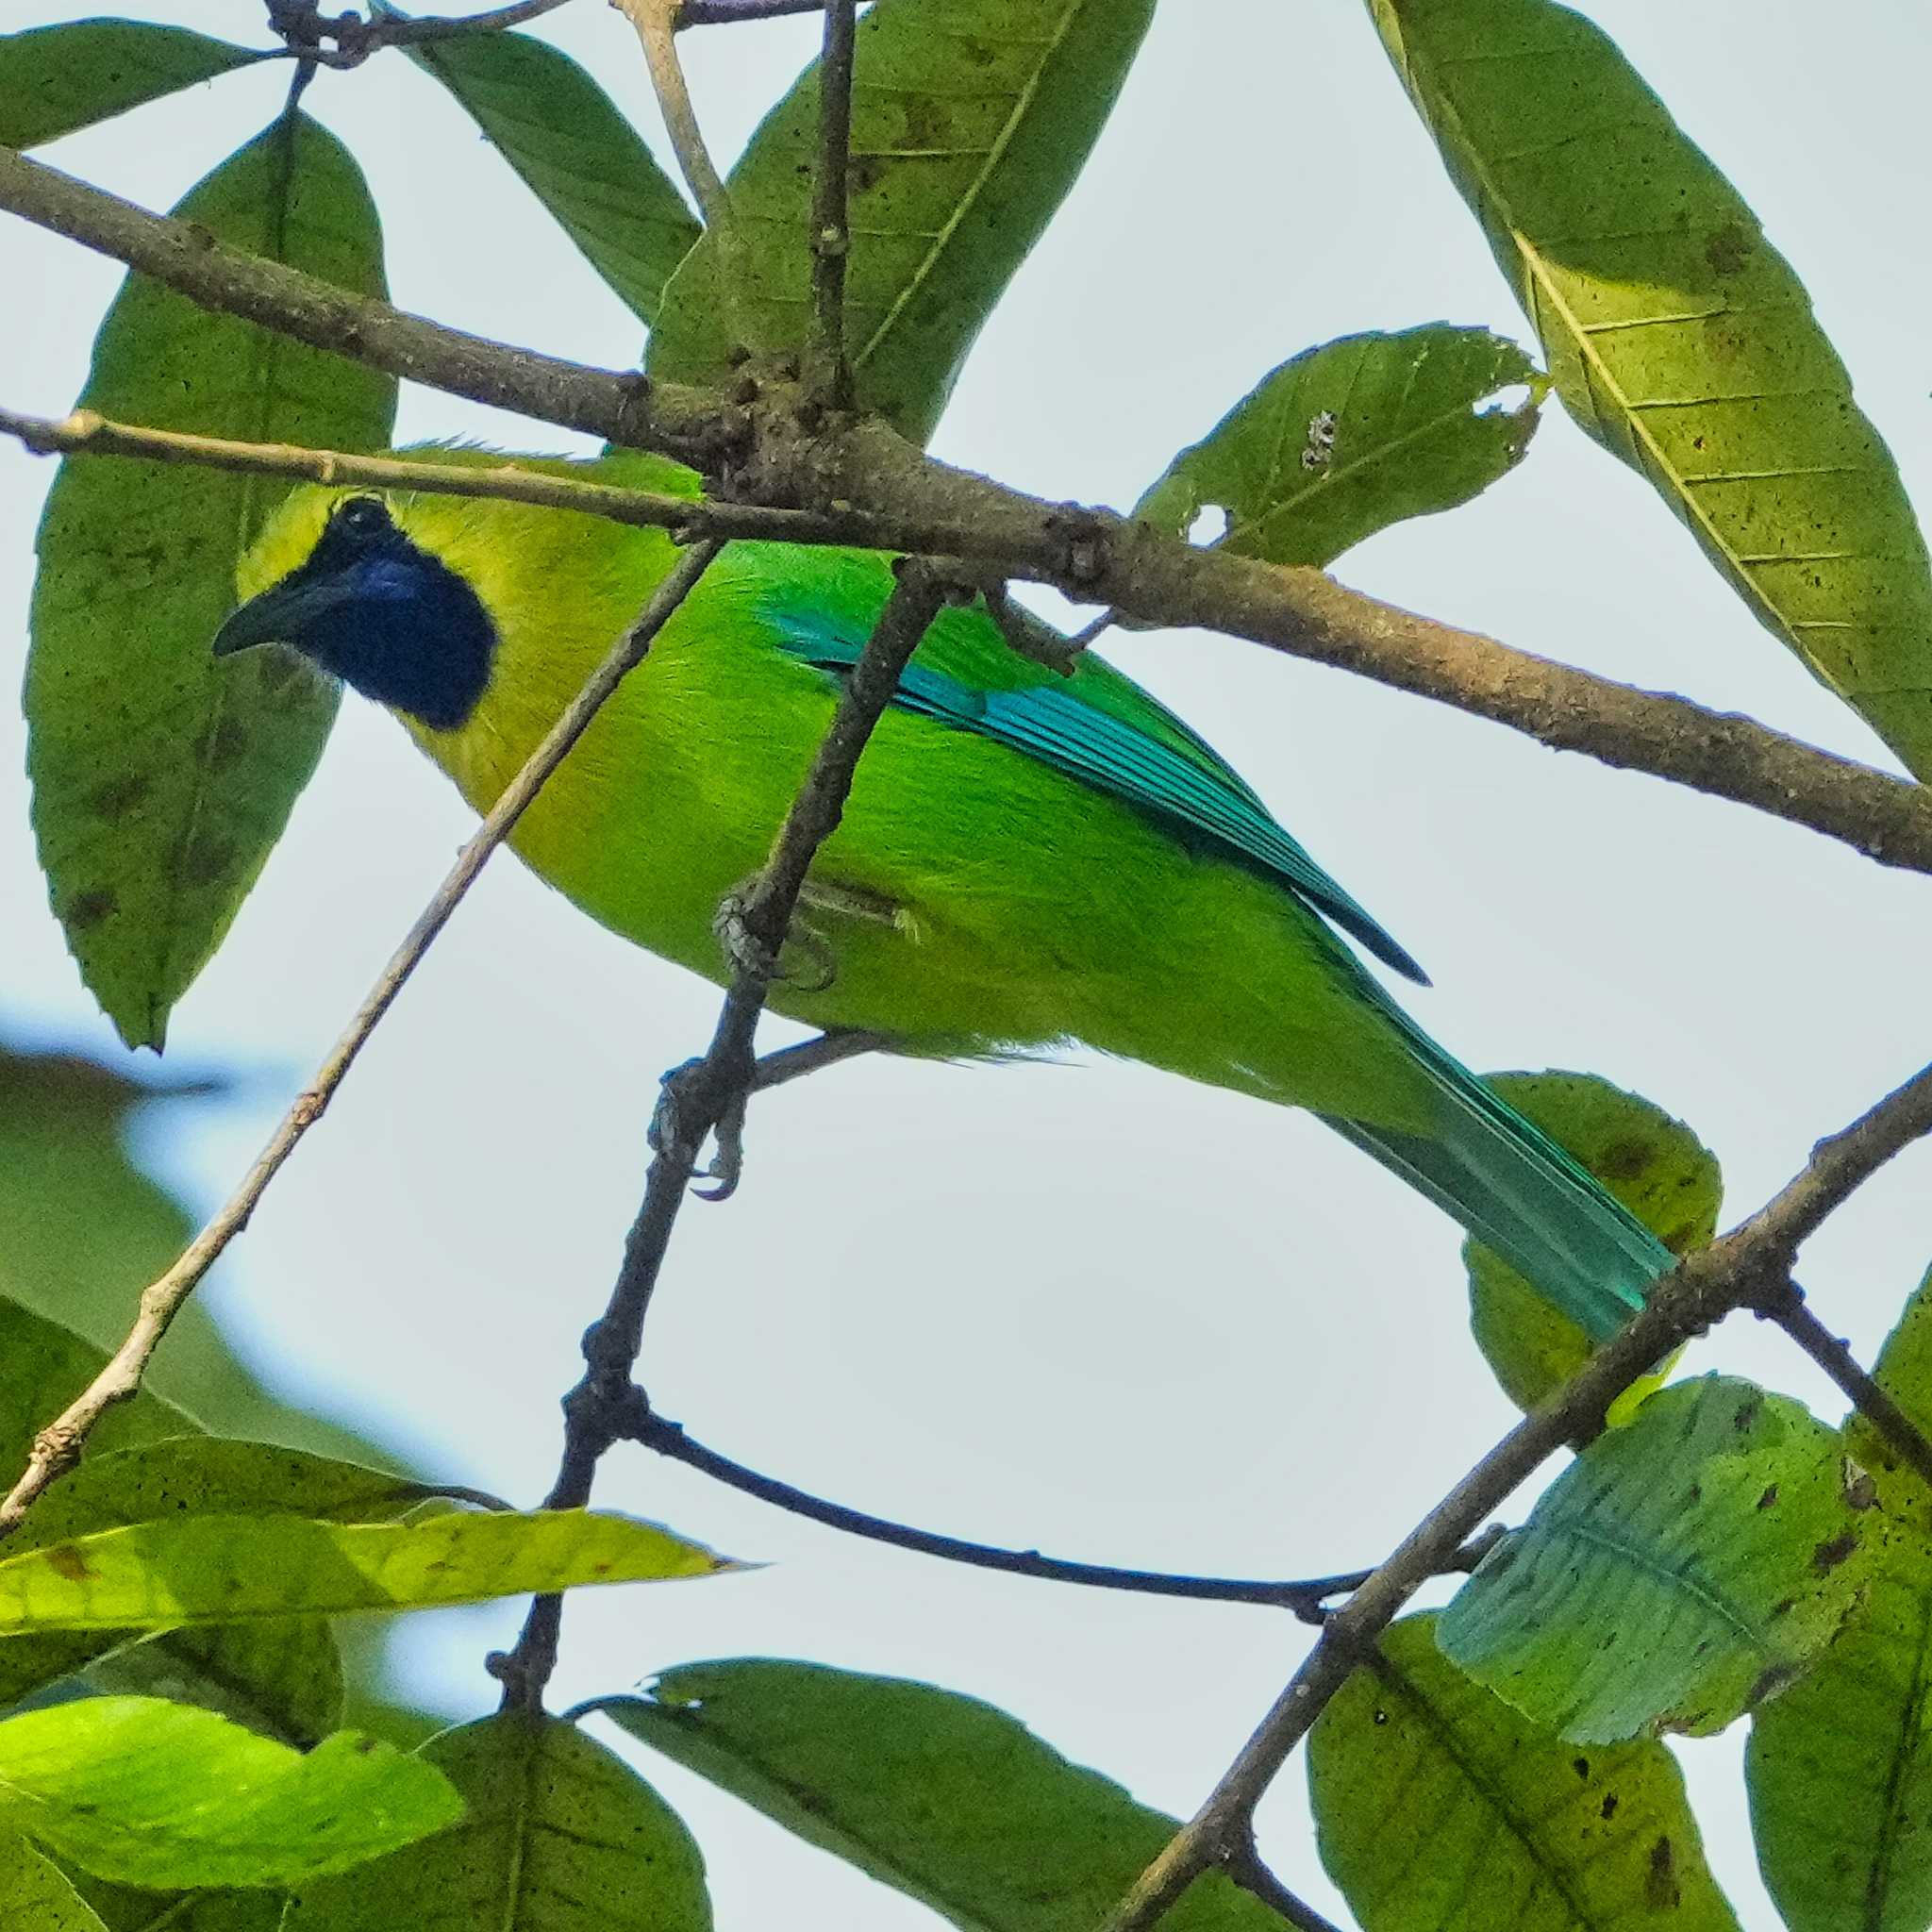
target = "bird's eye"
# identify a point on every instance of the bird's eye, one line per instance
(362, 516)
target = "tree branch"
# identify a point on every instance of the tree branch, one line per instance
(656, 31)
(59, 1445)
(308, 32)
(901, 499)
(732, 12)
(1306, 1598)
(1246, 1866)
(827, 374)
(709, 1095)
(1738, 1270)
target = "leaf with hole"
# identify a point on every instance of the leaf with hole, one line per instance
(971, 120)
(162, 778)
(559, 1835)
(1679, 337)
(575, 153)
(156, 1794)
(1344, 440)
(941, 1796)
(1655, 1165)
(55, 80)
(1681, 1571)
(1438, 1805)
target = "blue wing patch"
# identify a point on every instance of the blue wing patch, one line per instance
(1049, 723)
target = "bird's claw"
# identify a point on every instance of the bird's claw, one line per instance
(726, 1167)
(662, 1133)
(747, 954)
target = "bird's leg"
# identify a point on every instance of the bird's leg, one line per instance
(727, 1167)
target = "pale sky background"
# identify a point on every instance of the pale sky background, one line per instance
(1081, 1307)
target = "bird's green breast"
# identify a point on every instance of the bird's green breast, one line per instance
(971, 897)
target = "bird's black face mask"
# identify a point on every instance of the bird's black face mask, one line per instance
(380, 613)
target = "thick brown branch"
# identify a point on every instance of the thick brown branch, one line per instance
(1306, 1598)
(1741, 1269)
(899, 499)
(59, 1445)
(708, 1095)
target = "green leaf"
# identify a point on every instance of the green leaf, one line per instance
(1655, 1165)
(1839, 1768)
(159, 1795)
(217, 1569)
(1679, 337)
(941, 1796)
(82, 1231)
(1347, 438)
(42, 1367)
(281, 1677)
(56, 79)
(1904, 1371)
(1437, 1806)
(561, 1836)
(35, 1897)
(162, 778)
(1679, 1573)
(575, 152)
(970, 121)
(124, 1909)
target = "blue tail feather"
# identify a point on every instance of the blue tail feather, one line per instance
(1520, 1193)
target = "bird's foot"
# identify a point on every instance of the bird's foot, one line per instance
(727, 1167)
(746, 954)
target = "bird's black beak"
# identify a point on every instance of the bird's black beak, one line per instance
(281, 615)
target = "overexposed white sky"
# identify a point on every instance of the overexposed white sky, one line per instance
(1081, 1307)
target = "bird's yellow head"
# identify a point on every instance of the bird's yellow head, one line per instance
(357, 583)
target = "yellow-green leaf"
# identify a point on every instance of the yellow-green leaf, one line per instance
(559, 1835)
(156, 1795)
(1349, 438)
(1436, 1805)
(219, 1569)
(56, 79)
(1655, 1165)
(970, 121)
(162, 777)
(1679, 1573)
(1679, 337)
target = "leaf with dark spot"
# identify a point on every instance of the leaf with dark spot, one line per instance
(162, 778)
(1644, 1614)
(1461, 1815)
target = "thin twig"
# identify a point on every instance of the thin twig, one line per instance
(1739, 1270)
(827, 374)
(735, 12)
(308, 32)
(59, 1445)
(85, 433)
(1306, 1597)
(1787, 1307)
(1246, 1867)
(900, 499)
(657, 29)
(706, 1094)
